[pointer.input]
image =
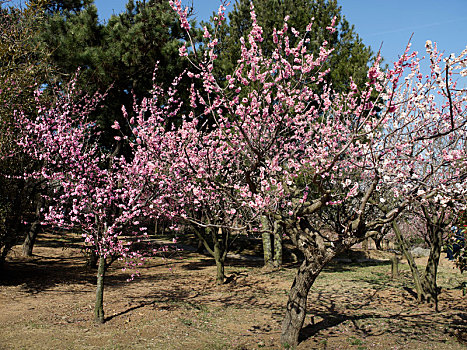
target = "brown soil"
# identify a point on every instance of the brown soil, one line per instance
(46, 302)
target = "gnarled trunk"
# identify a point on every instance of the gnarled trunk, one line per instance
(296, 305)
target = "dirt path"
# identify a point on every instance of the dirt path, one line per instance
(46, 303)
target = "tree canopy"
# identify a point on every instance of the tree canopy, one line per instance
(24, 66)
(350, 58)
(120, 55)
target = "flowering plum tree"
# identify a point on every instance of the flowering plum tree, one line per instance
(89, 186)
(317, 160)
(191, 172)
(436, 221)
(275, 141)
(432, 215)
(437, 163)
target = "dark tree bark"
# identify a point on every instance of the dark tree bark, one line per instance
(200, 247)
(380, 237)
(411, 262)
(219, 256)
(435, 224)
(319, 245)
(219, 248)
(296, 304)
(99, 306)
(317, 256)
(30, 239)
(92, 259)
(431, 271)
(3, 253)
(394, 266)
(220, 273)
(31, 235)
(425, 285)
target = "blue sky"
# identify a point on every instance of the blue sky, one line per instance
(390, 22)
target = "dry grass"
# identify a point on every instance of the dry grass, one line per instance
(46, 303)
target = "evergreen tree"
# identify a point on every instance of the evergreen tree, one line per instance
(121, 54)
(23, 68)
(145, 35)
(349, 59)
(66, 6)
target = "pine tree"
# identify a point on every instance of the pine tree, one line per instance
(24, 66)
(121, 54)
(349, 59)
(66, 6)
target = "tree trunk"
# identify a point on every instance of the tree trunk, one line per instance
(3, 254)
(218, 256)
(277, 245)
(365, 245)
(266, 237)
(200, 247)
(394, 266)
(296, 305)
(99, 307)
(30, 239)
(219, 249)
(92, 259)
(410, 260)
(31, 236)
(156, 227)
(429, 279)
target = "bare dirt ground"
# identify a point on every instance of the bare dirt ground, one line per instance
(46, 302)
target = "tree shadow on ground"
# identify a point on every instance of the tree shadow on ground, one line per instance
(199, 264)
(231, 262)
(411, 291)
(60, 240)
(243, 290)
(347, 265)
(41, 273)
(412, 321)
(163, 299)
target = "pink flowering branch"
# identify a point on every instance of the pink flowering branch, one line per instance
(318, 160)
(89, 189)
